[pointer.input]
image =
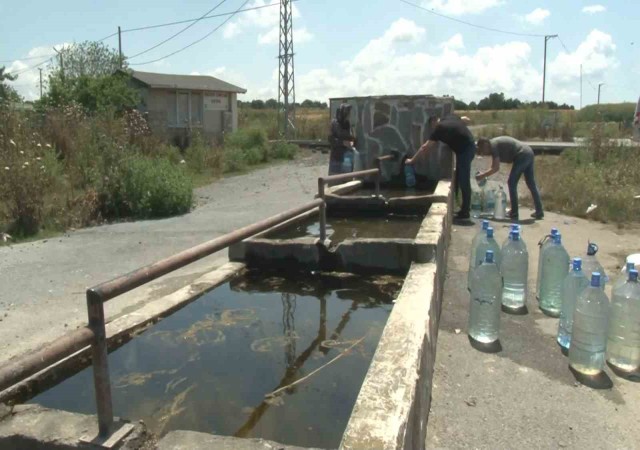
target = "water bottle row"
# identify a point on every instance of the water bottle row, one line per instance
(497, 280)
(488, 201)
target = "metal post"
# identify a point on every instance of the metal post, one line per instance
(323, 211)
(120, 46)
(544, 69)
(599, 86)
(286, 75)
(102, 384)
(580, 86)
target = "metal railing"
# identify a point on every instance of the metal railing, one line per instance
(94, 334)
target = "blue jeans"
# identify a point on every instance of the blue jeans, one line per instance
(523, 164)
(463, 176)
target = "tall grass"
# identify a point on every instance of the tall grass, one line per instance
(311, 123)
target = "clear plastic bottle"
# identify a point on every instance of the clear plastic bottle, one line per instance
(512, 227)
(555, 265)
(589, 332)
(474, 247)
(622, 279)
(590, 264)
(623, 343)
(484, 310)
(501, 203)
(574, 283)
(489, 204)
(476, 203)
(515, 268)
(484, 244)
(543, 244)
(409, 175)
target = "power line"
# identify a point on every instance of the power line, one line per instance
(482, 27)
(196, 41)
(20, 72)
(565, 47)
(28, 58)
(179, 32)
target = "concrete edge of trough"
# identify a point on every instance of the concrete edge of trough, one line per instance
(122, 329)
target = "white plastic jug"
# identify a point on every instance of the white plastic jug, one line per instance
(499, 212)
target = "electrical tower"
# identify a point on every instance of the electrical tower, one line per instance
(286, 77)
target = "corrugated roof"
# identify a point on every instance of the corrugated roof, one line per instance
(187, 82)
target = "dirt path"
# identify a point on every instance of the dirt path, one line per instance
(42, 294)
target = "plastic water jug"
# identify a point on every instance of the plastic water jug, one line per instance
(486, 243)
(484, 310)
(543, 244)
(474, 247)
(347, 162)
(555, 265)
(514, 267)
(574, 283)
(622, 279)
(501, 203)
(623, 343)
(489, 200)
(357, 160)
(590, 264)
(476, 202)
(513, 227)
(589, 332)
(409, 175)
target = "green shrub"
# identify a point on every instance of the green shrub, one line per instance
(283, 150)
(247, 138)
(254, 155)
(146, 188)
(234, 160)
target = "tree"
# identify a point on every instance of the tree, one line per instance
(7, 93)
(88, 58)
(459, 104)
(257, 104)
(272, 103)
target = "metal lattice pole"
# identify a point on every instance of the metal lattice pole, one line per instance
(286, 77)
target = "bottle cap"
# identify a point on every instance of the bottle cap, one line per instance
(630, 266)
(515, 226)
(490, 232)
(557, 238)
(514, 235)
(576, 264)
(592, 248)
(485, 224)
(595, 279)
(554, 231)
(633, 275)
(488, 257)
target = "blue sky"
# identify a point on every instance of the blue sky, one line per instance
(358, 47)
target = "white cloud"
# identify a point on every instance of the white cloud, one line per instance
(28, 83)
(537, 16)
(455, 42)
(593, 9)
(272, 36)
(459, 7)
(378, 50)
(231, 30)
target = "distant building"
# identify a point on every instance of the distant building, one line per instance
(176, 105)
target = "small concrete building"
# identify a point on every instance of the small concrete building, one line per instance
(177, 105)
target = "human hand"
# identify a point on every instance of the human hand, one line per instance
(409, 161)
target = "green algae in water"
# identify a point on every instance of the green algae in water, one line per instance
(209, 366)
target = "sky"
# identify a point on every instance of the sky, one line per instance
(354, 47)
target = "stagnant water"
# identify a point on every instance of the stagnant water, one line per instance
(208, 366)
(339, 229)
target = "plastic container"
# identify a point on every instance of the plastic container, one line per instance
(555, 265)
(514, 267)
(476, 203)
(543, 244)
(486, 242)
(624, 277)
(590, 264)
(347, 161)
(484, 310)
(589, 331)
(482, 232)
(409, 175)
(501, 204)
(514, 227)
(489, 200)
(574, 283)
(623, 342)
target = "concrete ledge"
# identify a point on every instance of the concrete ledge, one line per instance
(443, 191)
(121, 330)
(345, 188)
(393, 405)
(33, 427)
(192, 440)
(354, 205)
(298, 254)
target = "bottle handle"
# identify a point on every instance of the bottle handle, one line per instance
(543, 240)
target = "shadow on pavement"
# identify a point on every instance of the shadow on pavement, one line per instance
(493, 347)
(599, 381)
(629, 376)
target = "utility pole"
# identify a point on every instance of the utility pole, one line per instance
(544, 70)
(599, 86)
(40, 69)
(61, 56)
(580, 86)
(286, 77)
(120, 46)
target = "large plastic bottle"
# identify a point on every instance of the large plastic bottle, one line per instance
(484, 310)
(489, 203)
(543, 244)
(555, 265)
(512, 227)
(589, 332)
(476, 200)
(409, 175)
(623, 343)
(574, 283)
(474, 247)
(501, 204)
(590, 264)
(622, 279)
(514, 266)
(487, 242)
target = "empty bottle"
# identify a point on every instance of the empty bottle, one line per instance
(501, 204)
(623, 343)
(590, 264)
(489, 204)
(555, 265)
(484, 310)
(474, 247)
(514, 266)
(589, 332)
(543, 244)
(574, 283)
(476, 203)
(622, 279)
(487, 242)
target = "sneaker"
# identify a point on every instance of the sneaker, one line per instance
(538, 215)
(513, 216)
(460, 215)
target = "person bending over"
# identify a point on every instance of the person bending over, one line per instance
(453, 131)
(509, 150)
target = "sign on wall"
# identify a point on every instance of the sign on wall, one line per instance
(216, 102)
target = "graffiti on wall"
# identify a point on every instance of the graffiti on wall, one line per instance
(386, 124)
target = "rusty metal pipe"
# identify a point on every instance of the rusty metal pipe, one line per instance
(323, 211)
(31, 363)
(110, 289)
(349, 176)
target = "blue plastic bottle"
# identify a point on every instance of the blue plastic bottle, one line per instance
(484, 311)
(409, 175)
(623, 343)
(589, 332)
(514, 266)
(574, 283)
(555, 265)
(487, 242)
